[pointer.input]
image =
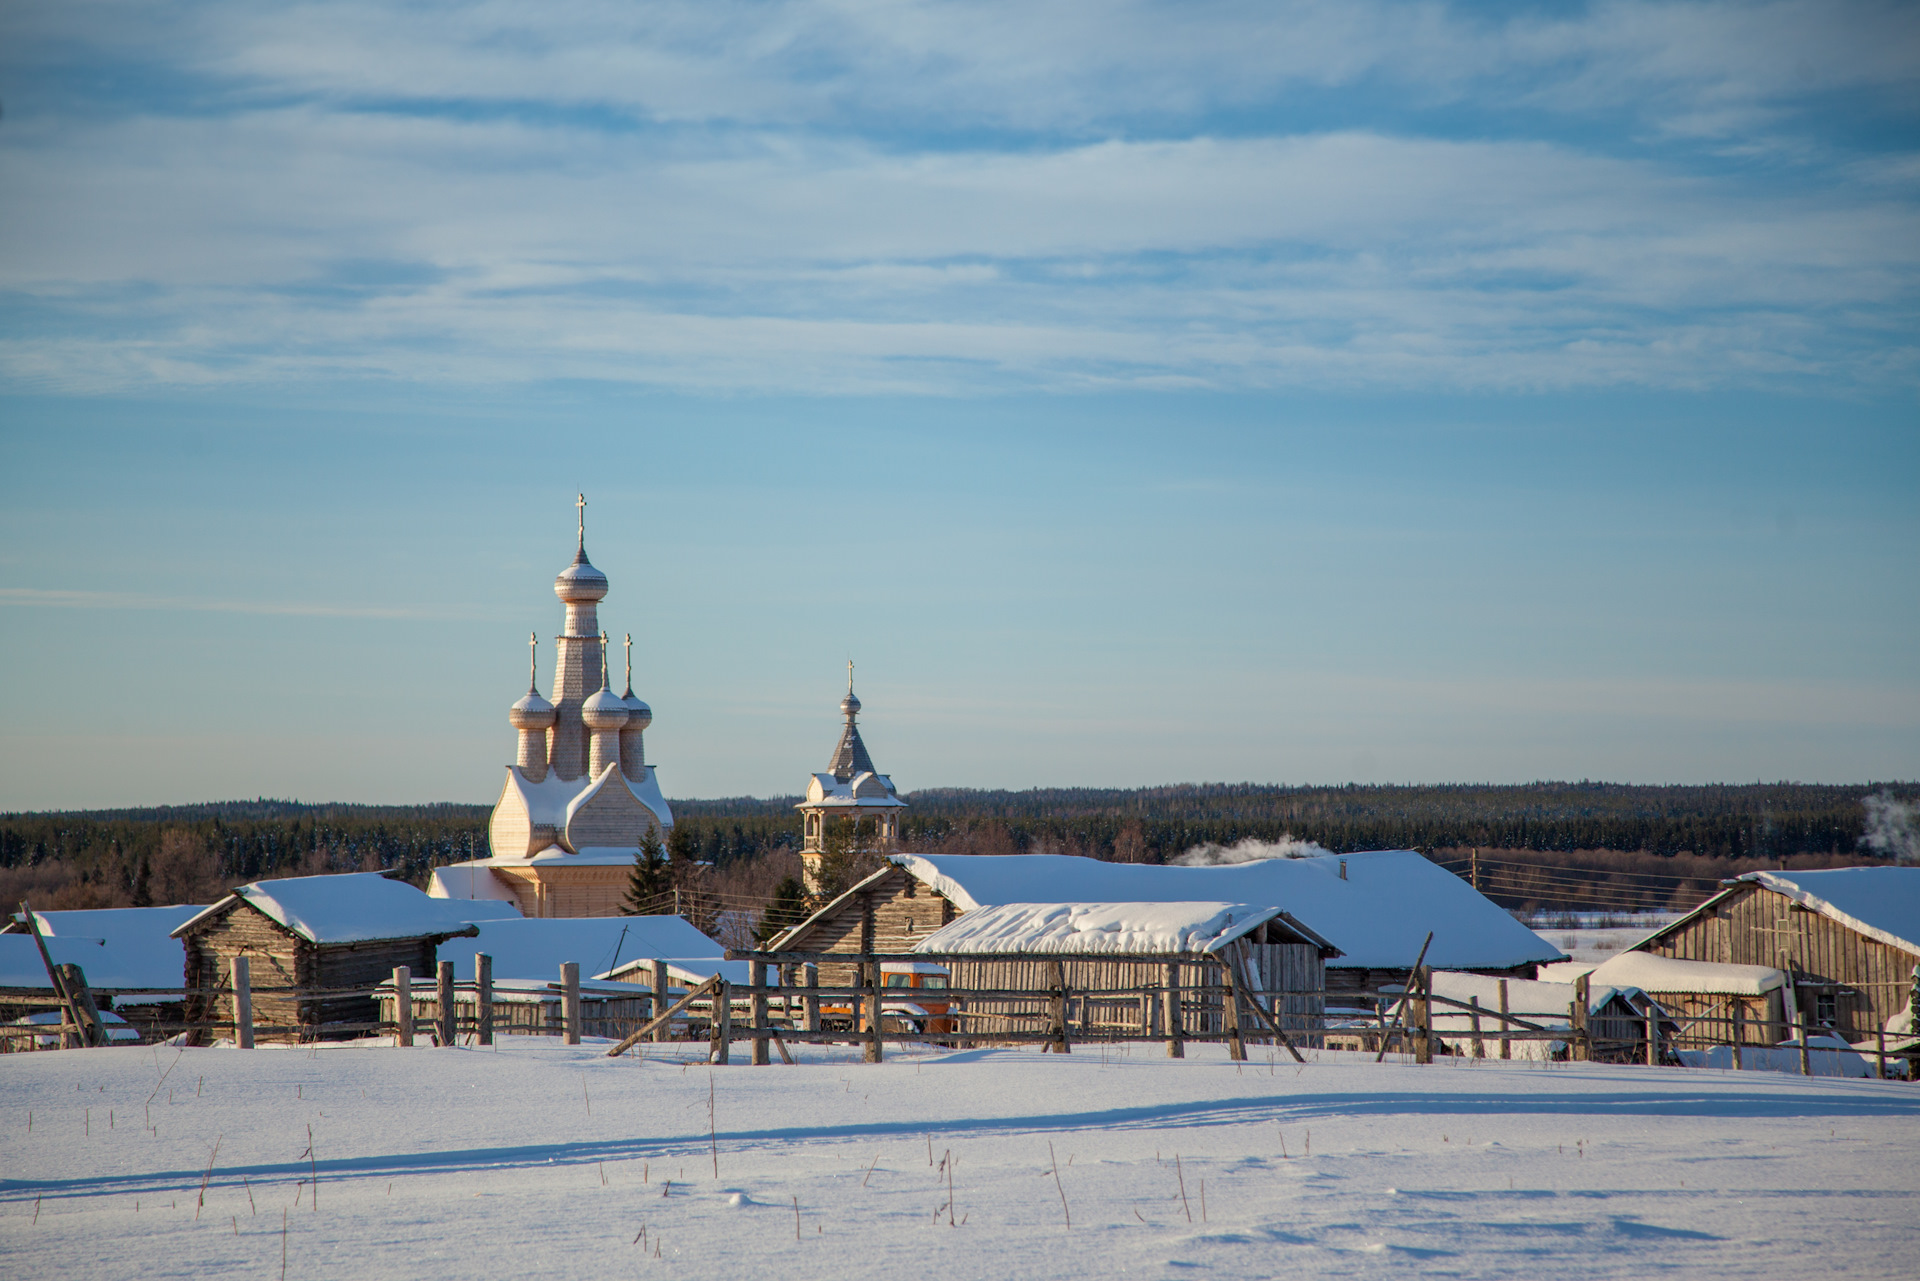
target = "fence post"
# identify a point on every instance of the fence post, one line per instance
(1806, 1066)
(757, 1010)
(483, 983)
(1061, 1044)
(443, 995)
(1473, 1018)
(1506, 1028)
(570, 1000)
(1176, 1043)
(1423, 1015)
(1880, 1053)
(1653, 1035)
(874, 1052)
(1739, 1029)
(1230, 1011)
(402, 1005)
(810, 977)
(1582, 1040)
(242, 1002)
(662, 998)
(720, 1023)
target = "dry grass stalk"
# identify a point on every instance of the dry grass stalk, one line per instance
(1062, 1187)
(207, 1176)
(1179, 1174)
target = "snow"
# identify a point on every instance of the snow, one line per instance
(136, 944)
(1653, 973)
(1880, 902)
(356, 907)
(117, 1028)
(21, 966)
(532, 1158)
(1377, 916)
(471, 883)
(1826, 1056)
(1107, 928)
(535, 947)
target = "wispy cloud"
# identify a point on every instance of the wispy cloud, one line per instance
(938, 197)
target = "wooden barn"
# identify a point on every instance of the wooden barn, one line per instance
(341, 935)
(1848, 940)
(1710, 1002)
(1129, 966)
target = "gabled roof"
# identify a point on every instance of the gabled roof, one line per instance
(1376, 915)
(1078, 929)
(535, 947)
(357, 907)
(1881, 903)
(137, 947)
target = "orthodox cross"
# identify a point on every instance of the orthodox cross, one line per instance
(629, 662)
(581, 503)
(603, 659)
(849, 676)
(533, 662)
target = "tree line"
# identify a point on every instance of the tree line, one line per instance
(192, 853)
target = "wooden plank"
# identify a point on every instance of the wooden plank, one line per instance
(1170, 994)
(1506, 1041)
(662, 991)
(443, 994)
(71, 1012)
(757, 1010)
(403, 1004)
(570, 1000)
(1399, 1010)
(483, 993)
(664, 1017)
(720, 1024)
(243, 1002)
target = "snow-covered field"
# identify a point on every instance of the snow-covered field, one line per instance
(536, 1159)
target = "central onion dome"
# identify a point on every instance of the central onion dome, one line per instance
(580, 583)
(850, 705)
(604, 709)
(531, 712)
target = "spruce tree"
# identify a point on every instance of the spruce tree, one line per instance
(788, 909)
(650, 888)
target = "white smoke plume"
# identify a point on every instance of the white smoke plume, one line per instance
(1249, 851)
(1890, 828)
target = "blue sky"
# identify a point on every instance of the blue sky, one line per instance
(1139, 393)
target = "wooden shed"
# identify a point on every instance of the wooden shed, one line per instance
(325, 942)
(1707, 1000)
(1847, 938)
(1120, 960)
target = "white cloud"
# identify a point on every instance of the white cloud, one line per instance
(335, 215)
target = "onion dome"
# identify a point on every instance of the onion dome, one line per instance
(531, 712)
(603, 710)
(850, 705)
(639, 715)
(580, 583)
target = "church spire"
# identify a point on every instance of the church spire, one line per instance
(850, 757)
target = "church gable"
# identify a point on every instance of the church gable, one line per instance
(608, 815)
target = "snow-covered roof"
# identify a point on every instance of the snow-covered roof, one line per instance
(20, 964)
(1105, 928)
(1880, 902)
(355, 907)
(137, 944)
(1653, 973)
(472, 884)
(865, 790)
(1549, 1004)
(1377, 915)
(535, 947)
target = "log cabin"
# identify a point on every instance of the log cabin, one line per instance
(1847, 938)
(339, 935)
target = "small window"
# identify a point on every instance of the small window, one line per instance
(899, 980)
(933, 980)
(1824, 1010)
